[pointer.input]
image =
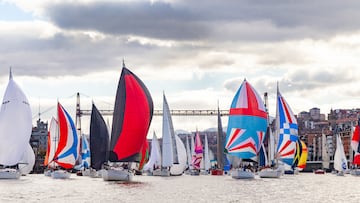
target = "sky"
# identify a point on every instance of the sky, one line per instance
(196, 52)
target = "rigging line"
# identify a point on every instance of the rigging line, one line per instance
(71, 95)
(103, 101)
(48, 109)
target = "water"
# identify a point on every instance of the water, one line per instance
(304, 187)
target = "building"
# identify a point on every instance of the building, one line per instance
(315, 114)
(38, 142)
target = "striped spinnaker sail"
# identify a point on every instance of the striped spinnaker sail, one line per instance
(68, 143)
(247, 123)
(287, 131)
(303, 156)
(85, 152)
(196, 159)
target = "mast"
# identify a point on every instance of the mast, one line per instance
(277, 123)
(220, 143)
(78, 124)
(268, 127)
(78, 114)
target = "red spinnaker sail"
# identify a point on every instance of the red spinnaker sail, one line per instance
(133, 112)
(144, 155)
(355, 145)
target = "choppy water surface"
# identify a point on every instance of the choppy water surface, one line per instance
(305, 187)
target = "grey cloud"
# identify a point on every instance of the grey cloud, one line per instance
(156, 20)
(303, 81)
(195, 20)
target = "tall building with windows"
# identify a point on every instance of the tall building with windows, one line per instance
(38, 142)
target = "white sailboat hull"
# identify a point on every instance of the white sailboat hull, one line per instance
(96, 174)
(116, 175)
(355, 172)
(47, 173)
(60, 174)
(9, 173)
(194, 172)
(204, 172)
(161, 172)
(242, 174)
(270, 173)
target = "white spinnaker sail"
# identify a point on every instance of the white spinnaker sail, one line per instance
(27, 162)
(155, 155)
(15, 124)
(178, 169)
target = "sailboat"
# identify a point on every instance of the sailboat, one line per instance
(300, 156)
(133, 112)
(67, 146)
(287, 134)
(325, 156)
(169, 151)
(178, 169)
(15, 128)
(205, 161)
(356, 148)
(26, 164)
(268, 170)
(144, 157)
(154, 161)
(219, 168)
(303, 155)
(84, 166)
(198, 154)
(340, 162)
(99, 142)
(266, 157)
(188, 155)
(246, 129)
(52, 138)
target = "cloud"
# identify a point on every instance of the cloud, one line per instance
(154, 20)
(201, 20)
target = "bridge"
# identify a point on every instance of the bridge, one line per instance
(186, 112)
(82, 112)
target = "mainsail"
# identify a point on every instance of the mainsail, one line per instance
(247, 123)
(132, 116)
(340, 162)
(287, 131)
(220, 156)
(53, 138)
(15, 124)
(169, 143)
(99, 139)
(206, 158)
